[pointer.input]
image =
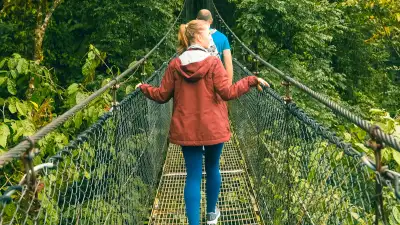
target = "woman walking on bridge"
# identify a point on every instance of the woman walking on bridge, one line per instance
(199, 86)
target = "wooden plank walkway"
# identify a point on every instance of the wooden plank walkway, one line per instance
(236, 203)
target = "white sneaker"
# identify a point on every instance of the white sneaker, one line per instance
(212, 218)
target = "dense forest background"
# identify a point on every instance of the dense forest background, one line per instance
(54, 53)
(348, 50)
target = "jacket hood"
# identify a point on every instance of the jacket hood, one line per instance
(197, 67)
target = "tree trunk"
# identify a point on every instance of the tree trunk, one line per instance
(41, 26)
(39, 35)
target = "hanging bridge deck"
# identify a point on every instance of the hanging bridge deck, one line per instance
(235, 201)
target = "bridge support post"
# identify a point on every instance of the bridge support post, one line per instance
(27, 160)
(287, 100)
(377, 146)
(143, 74)
(114, 89)
(256, 72)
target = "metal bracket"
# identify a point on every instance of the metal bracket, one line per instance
(257, 72)
(143, 74)
(27, 160)
(114, 89)
(287, 98)
(396, 184)
(377, 146)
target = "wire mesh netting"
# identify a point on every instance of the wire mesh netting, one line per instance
(235, 201)
(108, 175)
(300, 173)
(300, 176)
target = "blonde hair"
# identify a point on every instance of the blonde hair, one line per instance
(187, 33)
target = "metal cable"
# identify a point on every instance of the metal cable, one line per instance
(389, 175)
(301, 172)
(365, 125)
(107, 175)
(16, 151)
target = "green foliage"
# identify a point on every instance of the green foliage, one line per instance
(5, 132)
(332, 46)
(124, 29)
(94, 59)
(32, 95)
(17, 20)
(358, 137)
(347, 50)
(34, 100)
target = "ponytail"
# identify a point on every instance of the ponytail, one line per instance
(187, 33)
(182, 39)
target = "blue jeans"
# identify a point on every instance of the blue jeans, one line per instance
(194, 159)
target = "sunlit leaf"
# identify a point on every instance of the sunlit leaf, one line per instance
(73, 88)
(4, 133)
(11, 87)
(2, 80)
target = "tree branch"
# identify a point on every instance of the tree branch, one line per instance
(49, 14)
(39, 15)
(41, 26)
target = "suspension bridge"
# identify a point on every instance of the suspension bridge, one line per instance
(280, 167)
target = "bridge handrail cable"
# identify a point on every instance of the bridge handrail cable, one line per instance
(25, 145)
(388, 139)
(363, 124)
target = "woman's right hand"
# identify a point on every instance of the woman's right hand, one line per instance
(261, 83)
(138, 85)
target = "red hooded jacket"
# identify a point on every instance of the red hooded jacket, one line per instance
(200, 116)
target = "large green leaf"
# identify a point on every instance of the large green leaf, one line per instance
(2, 62)
(12, 105)
(21, 107)
(16, 56)
(12, 63)
(396, 214)
(396, 156)
(88, 69)
(4, 133)
(91, 55)
(24, 128)
(2, 80)
(91, 111)
(377, 111)
(73, 88)
(78, 119)
(22, 66)
(14, 74)
(11, 87)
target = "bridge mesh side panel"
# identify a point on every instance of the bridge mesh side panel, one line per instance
(109, 175)
(299, 176)
(235, 201)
